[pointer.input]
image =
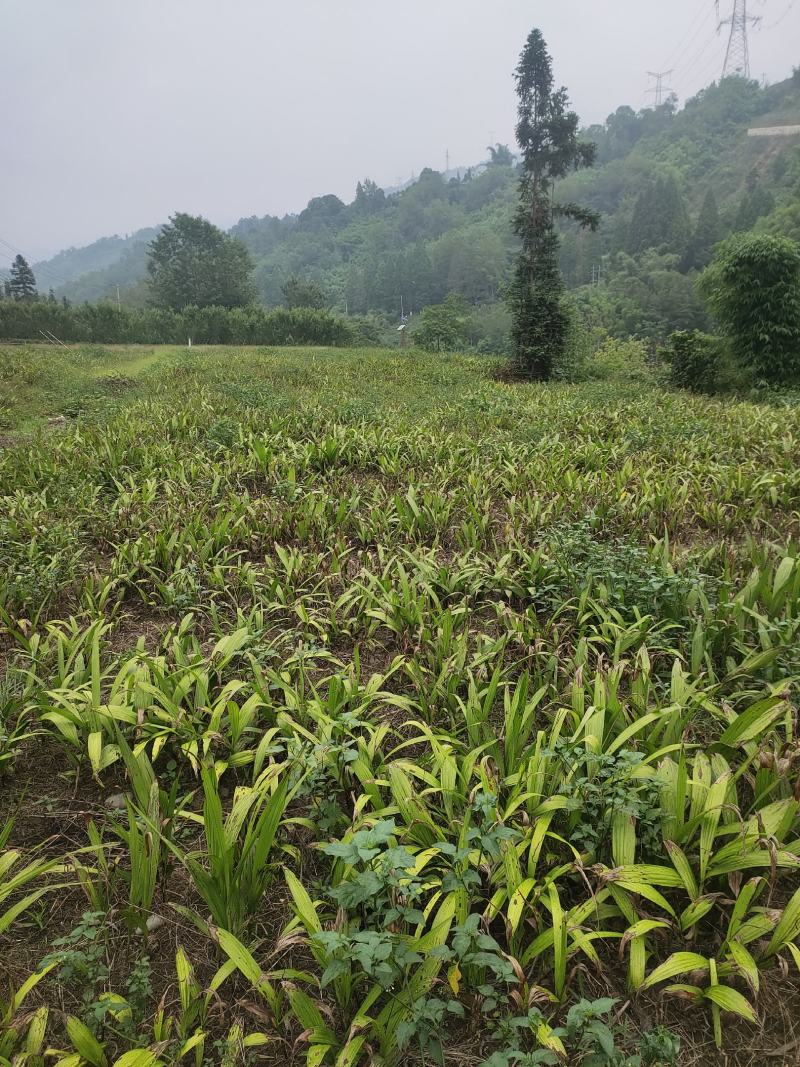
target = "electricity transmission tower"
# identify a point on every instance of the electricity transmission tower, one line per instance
(658, 89)
(737, 55)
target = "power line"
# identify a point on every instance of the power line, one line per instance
(43, 272)
(707, 73)
(696, 62)
(785, 15)
(698, 53)
(688, 55)
(696, 27)
(697, 74)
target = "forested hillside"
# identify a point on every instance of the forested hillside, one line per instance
(90, 273)
(670, 184)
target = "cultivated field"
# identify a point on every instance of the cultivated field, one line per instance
(356, 704)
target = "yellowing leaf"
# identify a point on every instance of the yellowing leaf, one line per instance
(730, 1000)
(85, 1042)
(678, 963)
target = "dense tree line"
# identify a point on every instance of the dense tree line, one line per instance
(753, 288)
(104, 323)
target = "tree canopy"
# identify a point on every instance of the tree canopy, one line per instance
(753, 288)
(660, 219)
(21, 283)
(707, 233)
(193, 263)
(443, 326)
(299, 293)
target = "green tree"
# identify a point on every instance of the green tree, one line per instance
(500, 155)
(753, 289)
(623, 130)
(659, 218)
(370, 198)
(321, 213)
(193, 263)
(707, 233)
(299, 293)
(756, 202)
(444, 326)
(471, 262)
(22, 284)
(547, 133)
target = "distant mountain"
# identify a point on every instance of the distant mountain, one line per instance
(63, 270)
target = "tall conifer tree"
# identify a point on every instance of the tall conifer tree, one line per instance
(547, 134)
(707, 233)
(659, 218)
(22, 284)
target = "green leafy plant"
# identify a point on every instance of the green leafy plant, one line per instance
(588, 1037)
(693, 359)
(426, 1026)
(753, 288)
(81, 960)
(604, 788)
(232, 872)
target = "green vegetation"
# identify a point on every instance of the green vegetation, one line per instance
(443, 327)
(94, 271)
(299, 294)
(192, 263)
(753, 287)
(38, 383)
(21, 283)
(105, 323)
(547, 133)
(694, 361)
(668, 183)
(360, 708)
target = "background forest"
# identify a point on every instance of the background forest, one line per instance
(669, 183)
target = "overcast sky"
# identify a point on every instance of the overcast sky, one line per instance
(116, 113)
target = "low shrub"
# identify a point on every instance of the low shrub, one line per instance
(694, 361)
(621, 361)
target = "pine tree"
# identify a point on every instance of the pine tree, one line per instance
(659, 217)
(370, 199)
(756, 201)
(547, 133)
(707, 233)
(22, 284)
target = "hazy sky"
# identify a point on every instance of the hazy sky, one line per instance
(116, 113)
